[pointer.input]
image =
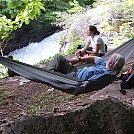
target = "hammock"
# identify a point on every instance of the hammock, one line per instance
(63, 82)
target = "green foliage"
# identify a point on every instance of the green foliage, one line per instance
(126, 34)
(13, 8)
(74, 7)
(57, 10)
(76, 40)
(126, 30)
(1, 92)
(50, 58)
(33, 109)
(3, 72)
(1, 88)
(73, 37)
(73, 49)
(22, 12)
(5, 27)
(124, 69)
(121, 10)
(6, 94)
(122, 16)
(86, 2)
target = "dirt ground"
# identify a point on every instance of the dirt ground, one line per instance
(19, 96)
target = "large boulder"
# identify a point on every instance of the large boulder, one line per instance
(102, 117)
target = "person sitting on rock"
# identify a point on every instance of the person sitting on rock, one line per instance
(102, 67)
(93, 41)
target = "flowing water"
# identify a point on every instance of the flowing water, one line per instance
(35, 52)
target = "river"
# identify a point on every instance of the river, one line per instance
(35, 52)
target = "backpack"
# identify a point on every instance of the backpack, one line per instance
(127, 80)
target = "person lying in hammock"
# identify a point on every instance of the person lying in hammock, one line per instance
(102, 67)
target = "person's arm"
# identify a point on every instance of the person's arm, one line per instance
(76, 60)
(83, 50)
(86, 46)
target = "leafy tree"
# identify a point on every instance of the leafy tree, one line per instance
(19, 12)
(57, 9)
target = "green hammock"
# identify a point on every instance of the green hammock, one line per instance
(63, 82)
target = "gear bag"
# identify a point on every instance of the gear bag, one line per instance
(127, 80)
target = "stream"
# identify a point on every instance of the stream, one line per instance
(35, 52)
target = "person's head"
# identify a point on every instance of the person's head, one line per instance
(92, 30)
(115, 61)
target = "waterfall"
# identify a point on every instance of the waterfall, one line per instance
(35, 52)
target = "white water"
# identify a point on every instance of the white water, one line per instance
(35, 52)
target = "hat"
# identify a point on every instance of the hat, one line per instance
(118, 60)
